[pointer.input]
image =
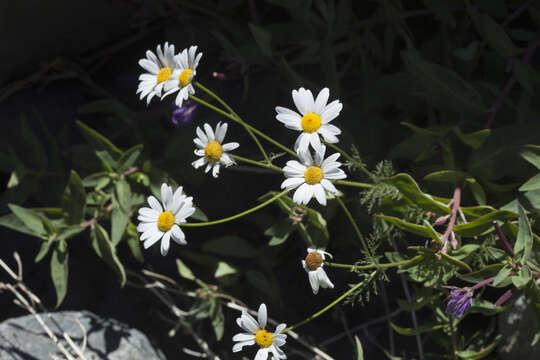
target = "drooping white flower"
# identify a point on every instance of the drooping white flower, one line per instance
(185, 70)
(159, 70)
(160, 222)
(312, 176)
(211, 149)
(314, 118)
(313, 264)
(255, 333)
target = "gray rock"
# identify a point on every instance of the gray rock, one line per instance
(23, 338)
(518, 327)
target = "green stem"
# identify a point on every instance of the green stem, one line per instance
(328, 307)
(353, 183)
(239, 119)
(371, 266)
(239, 215)
(258, 163)
(356, 229)
(351, 159)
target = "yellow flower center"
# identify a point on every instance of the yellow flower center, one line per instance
(313, 260)
(313, 175)
(311, 122)
(164, 74)
(165, 221)
(184, 77)
(213, 151)
(264, 338)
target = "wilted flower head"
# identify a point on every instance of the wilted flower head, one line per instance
(184, 115)
(460, 301)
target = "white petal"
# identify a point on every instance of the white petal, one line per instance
(149, 66)
(243, 337)
(249, 322)
(331, 111)
(301, 193)
(299, 101)
(318, 190)
(292, 183)
(178, 235)
(335, 174)
(261, 315)
(328, 186)
(302, 143)
(230, 146)
(330, 159)
(215, 170)
(152, 240)
(154, 203)
(262, 354)
(199, 162)
(148, 212)
(313, 281)
(316, 143)
(150, 232)
(199, 143)
(238, 346)
(199, 152)
(166, 195)
(332, 129)
(323, 279)
(165, 243)
(143, 227)
(220, 132)
(208, 167)
(202, 135)
(322, 99)
(280, 328)
(209, 132)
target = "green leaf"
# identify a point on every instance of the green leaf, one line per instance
(532, 297)
(123, 195)
(69, 232)
(524, 241)
(484, 273)
(263, 38)
(44, 249)
(525, 75)
(184, 271)
(531, 153)
(98, 180)
(230, 246)
(224, 269)
(522, 278)
(413, 195)
(409, 227)
(502, 275)
(467, 53)
(477, 191)
(447, 176)
(258, 280)
(128, 158)
(359, 350)
(98, 141)
(107, 160)
(422, 131)
(279, 232)
(74, 200)
(483, 223)
(105, 249)
(531, 184)
(478, 354)
(29, 218)
(418, 330)
(59, 271)
(475, 139)
(119, 221)
(14, 223)
(456, 262)
(484, 307)
(218, 320)
(199, 215)
(494, 34)
(442, 87)
(132, 240)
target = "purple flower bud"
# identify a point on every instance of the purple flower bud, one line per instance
(460, 301)
(441, 220)
(184, 115)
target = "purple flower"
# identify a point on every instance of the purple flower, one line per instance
(460, 301)
(183, 115)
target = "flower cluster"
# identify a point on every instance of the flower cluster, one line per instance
(312, 174)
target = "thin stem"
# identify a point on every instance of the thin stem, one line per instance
(353, 183)
(329, 306)
(453, 335)
(371, 266)
(222, 102)
(215, 108)
(351, 159)
(258, 163)
(234, 116)
(356, 229)
(239, 215)
(503, 238)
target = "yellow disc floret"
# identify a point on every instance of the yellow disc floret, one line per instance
(311, 122)
(213, 151)
(264, 338)
(313, 260)
(313, 175)
(164, 74)
(184, 77)
(165, 221)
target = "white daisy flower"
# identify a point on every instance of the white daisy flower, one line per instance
(159, 70)
(255, 333)
(211, 149)
(312, 176)
(314, 118)
(184, 72)
(160, 222)
(313, 264)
